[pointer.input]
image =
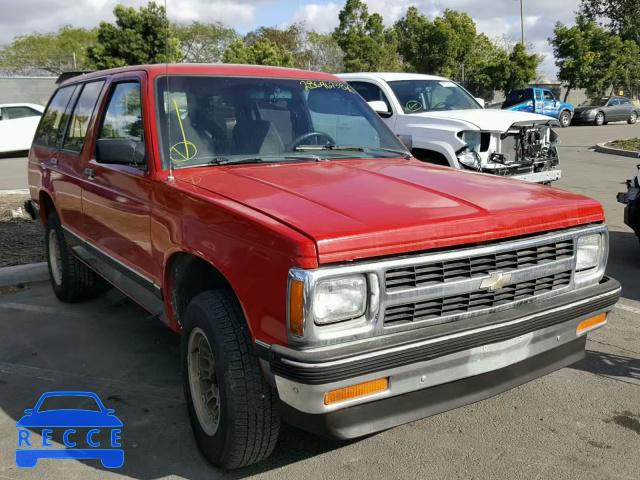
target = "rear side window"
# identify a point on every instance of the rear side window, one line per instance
(123, 118)
(11, 113)
(54, 118)
(538, 95)
(81, 117)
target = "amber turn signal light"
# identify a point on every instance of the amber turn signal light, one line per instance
(296, 308)
(355, 391)
(591, 322)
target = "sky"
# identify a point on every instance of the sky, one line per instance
(493, 17)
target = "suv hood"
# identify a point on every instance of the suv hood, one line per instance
(367, 208)
(490, 120)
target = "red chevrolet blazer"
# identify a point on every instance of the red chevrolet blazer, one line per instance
(316, 272)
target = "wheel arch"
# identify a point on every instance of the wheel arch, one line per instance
(440, 149)
(185, 275)
(47, 206)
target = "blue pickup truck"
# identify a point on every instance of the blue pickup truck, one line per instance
(540, 101)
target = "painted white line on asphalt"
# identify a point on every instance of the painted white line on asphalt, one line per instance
(622, 306)
(14, 192)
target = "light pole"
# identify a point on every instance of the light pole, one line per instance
(522, 19)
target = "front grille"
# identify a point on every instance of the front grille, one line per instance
(414, 276)
(473, 301)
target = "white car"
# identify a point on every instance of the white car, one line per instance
(18, 124)
(444, 124)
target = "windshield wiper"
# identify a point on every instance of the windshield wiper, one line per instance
(403, 153)
(238, 161)
(328, 146)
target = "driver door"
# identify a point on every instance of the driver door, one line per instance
(116, 198)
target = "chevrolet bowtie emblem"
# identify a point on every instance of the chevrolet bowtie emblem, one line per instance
(496, 281)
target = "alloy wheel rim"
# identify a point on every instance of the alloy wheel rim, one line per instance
(203, 382)
(565, 119)
(600, 119)
(634, 117)
(55, 257)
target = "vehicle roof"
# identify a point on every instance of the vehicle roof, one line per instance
(32, 105)
(392, 76)
(207, 69)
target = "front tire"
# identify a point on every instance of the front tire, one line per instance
(232, 409)
(599, 119)
(71, 279)
(633, 118)
(565, 119)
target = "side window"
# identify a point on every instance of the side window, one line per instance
(614, 102)
(79, 122)
(11, 113)
(123, 117)
(538, 95)
(370, 92)
(54, 118)
(548, 96)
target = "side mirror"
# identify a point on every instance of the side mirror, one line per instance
(481, 102)
(380, 108)
(122, 151)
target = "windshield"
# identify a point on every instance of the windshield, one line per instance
(207, 120)
(595, 102)
(418, 96)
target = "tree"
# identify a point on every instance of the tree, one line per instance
(519, 69)
(440, 47)
(482, 68)
(324, 53)
(366, 43)
(589, 57)
(50, 52)
(622, 16)
(203, 42)
(263, 52)
(292, 39)
(137, 38)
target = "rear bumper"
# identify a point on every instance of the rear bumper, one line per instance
(431, 375)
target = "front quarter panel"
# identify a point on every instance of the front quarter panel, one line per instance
(252, 251)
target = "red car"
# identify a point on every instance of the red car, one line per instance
(316, 272)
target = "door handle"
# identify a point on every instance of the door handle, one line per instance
(54, 161)
(89, 173)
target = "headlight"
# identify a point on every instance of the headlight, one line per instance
(339, 299)
(589, 252)
(473, 140)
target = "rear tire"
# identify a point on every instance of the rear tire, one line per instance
(565, 119)
(232, 409)
(71, 279)
(633, 118)
(599, 119)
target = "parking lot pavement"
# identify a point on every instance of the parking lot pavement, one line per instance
(581, 422)
(13, 174)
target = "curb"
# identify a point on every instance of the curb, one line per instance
(33, 272)
(601, 148)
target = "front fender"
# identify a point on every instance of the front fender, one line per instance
(442, 148)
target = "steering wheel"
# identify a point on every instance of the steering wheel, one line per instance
(305, 136)
(439, 105)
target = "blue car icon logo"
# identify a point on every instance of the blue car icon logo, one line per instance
(99, 420)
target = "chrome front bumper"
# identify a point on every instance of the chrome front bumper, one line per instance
(534, 331)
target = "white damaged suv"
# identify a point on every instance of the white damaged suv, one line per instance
(442, 123)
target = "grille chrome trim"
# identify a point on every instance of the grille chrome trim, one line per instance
(371, 324)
